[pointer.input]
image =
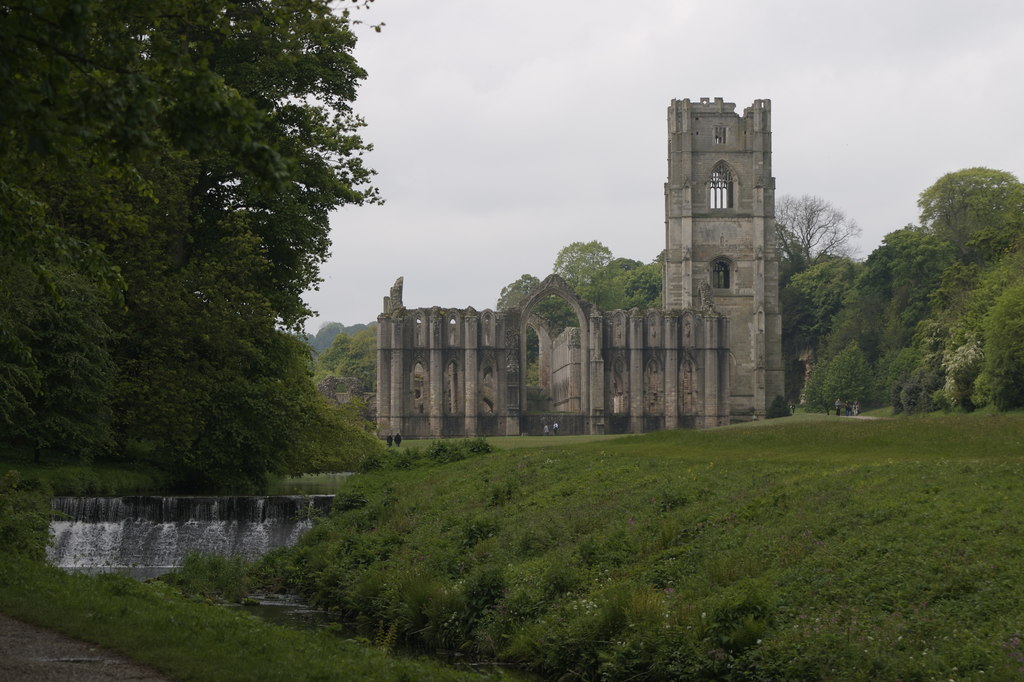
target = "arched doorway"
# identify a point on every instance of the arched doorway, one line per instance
(554, 356)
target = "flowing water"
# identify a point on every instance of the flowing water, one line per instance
(146, 536)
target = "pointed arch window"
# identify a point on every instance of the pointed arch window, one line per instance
(720, 187)
(720, 274)
(418, 380)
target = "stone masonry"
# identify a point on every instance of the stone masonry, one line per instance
(711, 356)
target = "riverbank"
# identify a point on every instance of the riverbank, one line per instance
(186, 639)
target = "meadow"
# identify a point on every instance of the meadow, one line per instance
(804, 548)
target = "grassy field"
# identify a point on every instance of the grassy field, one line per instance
(803, 548)
(806, 548)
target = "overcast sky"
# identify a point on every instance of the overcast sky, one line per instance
(503, 131)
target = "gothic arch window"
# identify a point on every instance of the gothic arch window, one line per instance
(452, 388)
(720, 187)
(419, 381)
(453, 330)
(487, 322)
(419, 330)
(620, 389)
(487, 390)
(720, 270)
(652, 387)
(687, 386)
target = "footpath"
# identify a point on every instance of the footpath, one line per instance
(33, 654)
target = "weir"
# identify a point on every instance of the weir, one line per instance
(149, 535)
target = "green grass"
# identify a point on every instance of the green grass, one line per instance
(192, 641)
(805, 548)
(98, 478)
(800, 548)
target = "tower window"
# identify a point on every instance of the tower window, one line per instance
(720, 274)
(720, 134)
(720, 188)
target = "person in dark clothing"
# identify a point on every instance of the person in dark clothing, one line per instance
(390, 439)
(398, 439)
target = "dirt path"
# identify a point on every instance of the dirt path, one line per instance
(34, 654)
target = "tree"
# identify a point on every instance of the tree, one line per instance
(642, 286)
(815, 299)
(979, 211)
(325, 336)
(898, 280)
(517, 292)
(580, 263)
(847, 376)
(808, 229)
(1004, 349)
(190, 152)
(55, 398)
(351, 356)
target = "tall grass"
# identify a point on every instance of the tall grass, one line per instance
(804, 548)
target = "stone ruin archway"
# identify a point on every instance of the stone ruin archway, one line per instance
(570, 360)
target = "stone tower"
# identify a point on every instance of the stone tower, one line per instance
(720, 238)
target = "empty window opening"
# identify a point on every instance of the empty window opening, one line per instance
(720, 134)
(417, 381)
(720, 187)
(720, 274)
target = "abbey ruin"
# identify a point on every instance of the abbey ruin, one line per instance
(709, 357)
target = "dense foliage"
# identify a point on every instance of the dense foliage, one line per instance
(352, 356)
(167, 173)
(598, 277)
(929, 320)
(799, 549)
(934, 311)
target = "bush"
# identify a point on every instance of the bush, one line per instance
(24, 516)
(778, 408)
(477, 446)
(212, 577)
(444, 451)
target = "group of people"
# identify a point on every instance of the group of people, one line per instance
(852, 409)
(552, 430)
(395, 439)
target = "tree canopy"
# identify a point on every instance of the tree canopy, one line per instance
(932, 310)
(809, 228)
(177, 161)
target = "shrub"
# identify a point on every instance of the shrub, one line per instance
(212, 577)
(24, 516)
(477, 446)
(444, 451)
(778, 408)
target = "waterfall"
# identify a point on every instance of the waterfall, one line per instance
(156, 533)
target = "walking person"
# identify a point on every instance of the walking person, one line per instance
(839, 406)
(398, 439)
